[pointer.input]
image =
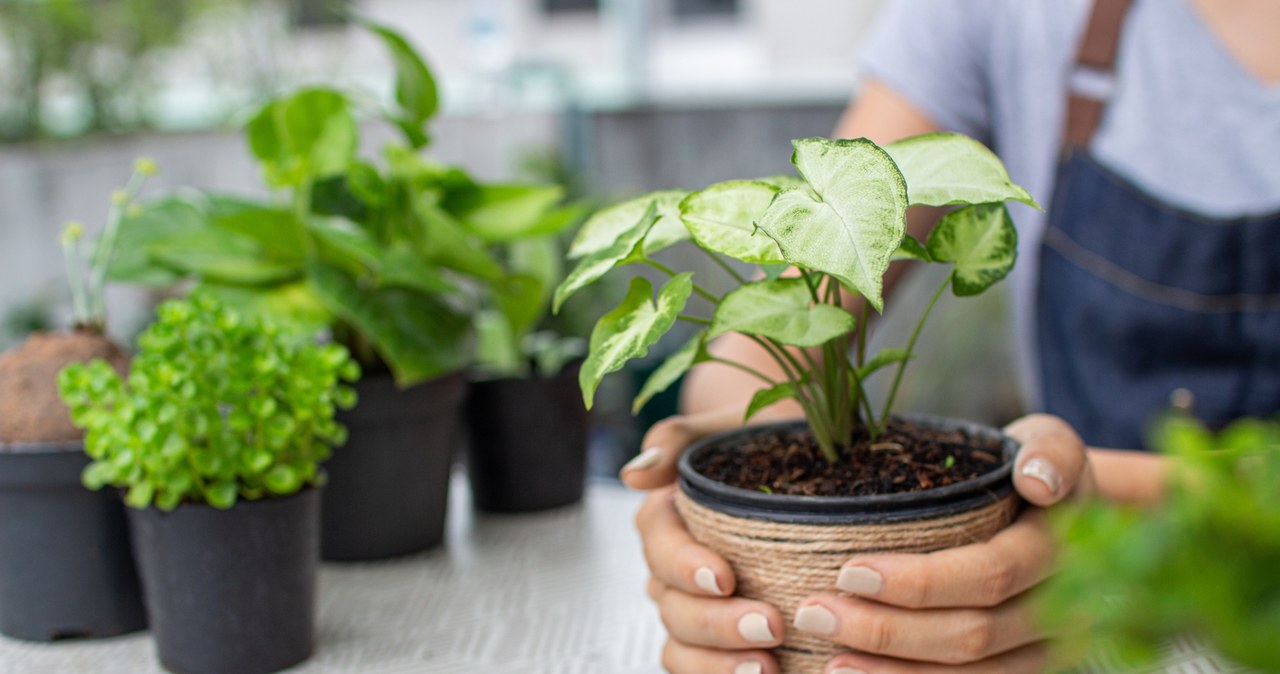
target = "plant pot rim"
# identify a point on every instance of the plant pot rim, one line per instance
(240, 503)
(879, 508)
(42, 447)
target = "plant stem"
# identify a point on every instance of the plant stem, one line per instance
(79, 301)
(672, 273)
(100, 260)
(813, 288)
(911, 345)
(728, 268)
(694, 319)
(745, 368)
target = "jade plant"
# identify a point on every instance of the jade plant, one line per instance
(216, 408)
(1202, 563)
(394, 256)
(836, 227)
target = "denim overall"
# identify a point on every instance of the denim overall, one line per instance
(1138, 299)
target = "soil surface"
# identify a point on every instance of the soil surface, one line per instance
(30, 410)
(905, 458)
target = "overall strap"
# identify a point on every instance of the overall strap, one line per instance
(1094, 75)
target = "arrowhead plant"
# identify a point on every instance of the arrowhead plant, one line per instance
(837, 225)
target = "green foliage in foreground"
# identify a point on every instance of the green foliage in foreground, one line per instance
(1205, 563)
(215, 408)
(839, 224)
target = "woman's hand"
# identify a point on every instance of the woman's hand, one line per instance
(956, 610)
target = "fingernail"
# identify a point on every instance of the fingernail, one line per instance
(1045, 472)
(754, 627)
(748, 668)
(847, 670)
(647, 459)
(815, 619)
(706, 579)
(860, 580)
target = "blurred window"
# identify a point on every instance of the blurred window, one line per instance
(318, 14)
(561, 6)
(696, 9)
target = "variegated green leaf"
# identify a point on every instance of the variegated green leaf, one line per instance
(950, 168)
(768, 396)
(671, 369)
(722, 218)
(982, 242)
(603, 228)
(628, 331)
(852, 223)
(911, 249)
(599, 262)
(781, 310)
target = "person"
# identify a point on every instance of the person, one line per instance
(1152, 129)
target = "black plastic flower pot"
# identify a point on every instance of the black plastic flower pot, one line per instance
(527, 447)
(389, 485)
(784, 548)
(66, 569)
(886, 508)
(231, 590)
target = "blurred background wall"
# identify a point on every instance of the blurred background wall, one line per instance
(616, 97)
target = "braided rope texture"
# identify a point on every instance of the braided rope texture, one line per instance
(781, 564)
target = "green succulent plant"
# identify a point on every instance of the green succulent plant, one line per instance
(839, 224)
(216, 408)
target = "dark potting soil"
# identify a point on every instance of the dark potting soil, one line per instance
(30, 409)
(905, 458)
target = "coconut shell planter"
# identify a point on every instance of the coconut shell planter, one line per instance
(788, 504)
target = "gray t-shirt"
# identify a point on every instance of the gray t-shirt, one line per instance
(1187, 122)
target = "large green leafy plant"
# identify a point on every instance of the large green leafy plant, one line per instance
(1204, 563)
(839, 225)
(216, 407)
(395, 256)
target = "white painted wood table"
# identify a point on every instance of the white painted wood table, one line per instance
(560, 592)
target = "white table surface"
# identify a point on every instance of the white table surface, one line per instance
(560, 592)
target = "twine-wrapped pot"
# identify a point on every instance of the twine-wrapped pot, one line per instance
(786, 548)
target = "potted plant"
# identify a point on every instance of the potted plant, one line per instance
(392, 258)
(216, 437)
(787, 503)
(1201, 564)
(527, 427)
(66, 570)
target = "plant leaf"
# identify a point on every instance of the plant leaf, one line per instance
(599, 262)
(292, 305)
(450, 245)
(502, 213)
(154, 222)
(308, 135)
(603, 228)
(722, 218)
(852, 223)
(669, 372)
(768, 396)
(628, 331)
(416, 91)
(277, 231)
(783, 310)
(911, 249)
(418, 335)
(222, 257)
(883, 358)
(402, 268)
(982, 242)
(950, 168)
